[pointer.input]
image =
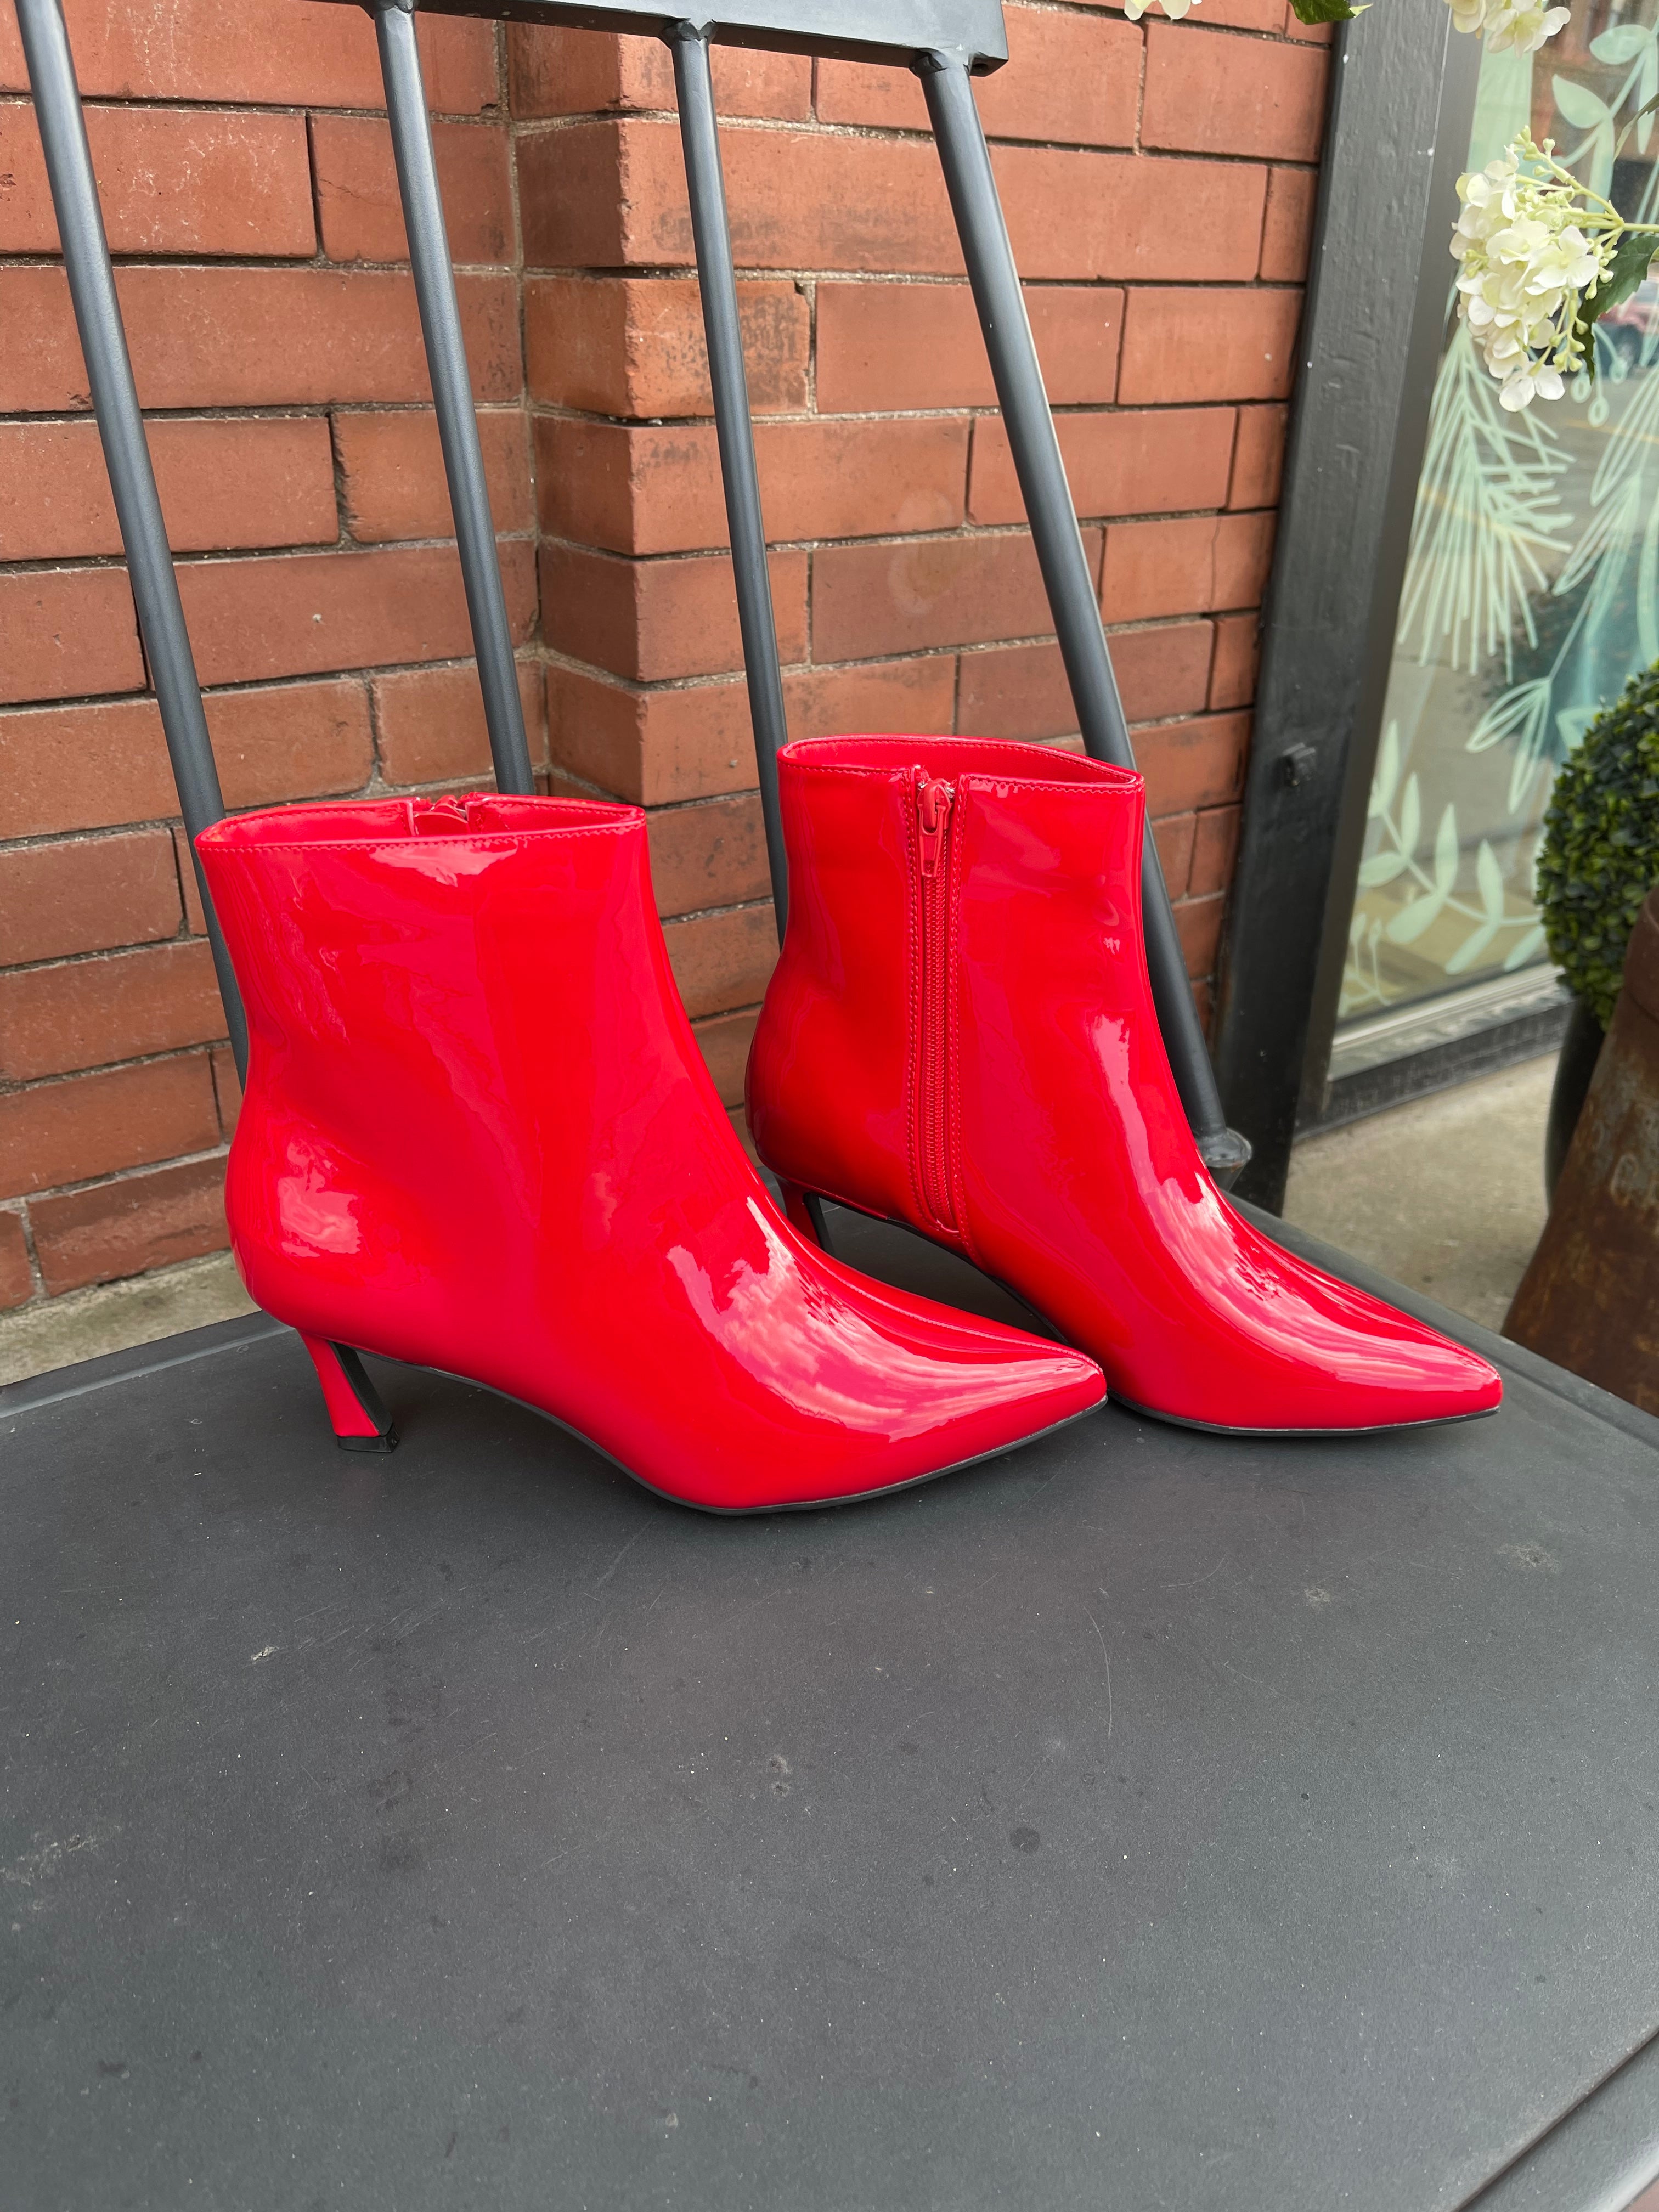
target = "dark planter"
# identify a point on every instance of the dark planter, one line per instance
(1581, 1047)
(1590, 1295)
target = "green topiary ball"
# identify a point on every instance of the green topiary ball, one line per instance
(1599, 856)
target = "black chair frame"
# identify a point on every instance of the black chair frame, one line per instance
(945, 42)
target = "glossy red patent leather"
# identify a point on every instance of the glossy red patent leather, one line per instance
(478, 1135)
(1067, 1169)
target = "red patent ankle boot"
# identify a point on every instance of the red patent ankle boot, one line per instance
(478, 1135)
(960, 1036)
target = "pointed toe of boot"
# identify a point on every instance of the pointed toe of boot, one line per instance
(1400, 1374)
(1447, 1382)
(1390, 1386)
(981, 1388)
(1054, 1387)
(1294, 1351)
(819, 1387)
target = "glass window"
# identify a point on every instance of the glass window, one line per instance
(1532, 588)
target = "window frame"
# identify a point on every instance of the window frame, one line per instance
(1397, 133)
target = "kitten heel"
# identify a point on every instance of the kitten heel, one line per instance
(360, 1420)
(804, 1210)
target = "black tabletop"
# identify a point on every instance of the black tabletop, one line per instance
(1142, 1819)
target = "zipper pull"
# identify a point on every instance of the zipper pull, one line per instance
(934, 806)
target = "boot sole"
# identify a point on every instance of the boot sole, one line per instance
(784, 1505)
(1289, 1436)
(1132, 1406)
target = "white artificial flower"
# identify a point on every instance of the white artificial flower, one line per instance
(1562, 264)
(1488, 195)
(1489, 207)
(1175, 9)
(1520, 24)
(1533, 245)
(1519, 391)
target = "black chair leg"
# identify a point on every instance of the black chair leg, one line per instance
(1036, 447)
(717, 283)
(126, 453)
(452, 392)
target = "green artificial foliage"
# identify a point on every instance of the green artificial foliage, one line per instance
(1626, 272)
(1599, 855)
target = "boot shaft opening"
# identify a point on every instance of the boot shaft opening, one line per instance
(388, 821)
(946, 758)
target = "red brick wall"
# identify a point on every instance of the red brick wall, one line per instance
(1159, 184)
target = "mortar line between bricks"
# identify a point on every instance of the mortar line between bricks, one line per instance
(815, 126)
(656, 273)
(341, 484)
(708, 913)
(172, 261)
(965, 410)
(728, 678)
(178, 943)
(111, 1178)
(962, 533)
(789, 272)
(315, 261)
(25, 1086)
(95, 833)
(37, 1277)
(296, 411)
(899, 134)
(314, 177)
(245, 686)
(259, 410)
(235, 555)
(163, 103)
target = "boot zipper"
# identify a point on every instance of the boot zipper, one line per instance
(438, 818)
(933, 1127)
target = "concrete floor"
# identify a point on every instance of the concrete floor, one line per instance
(1446, 1195)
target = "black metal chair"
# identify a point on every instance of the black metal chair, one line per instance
(945, 42)
(1150, 1819)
